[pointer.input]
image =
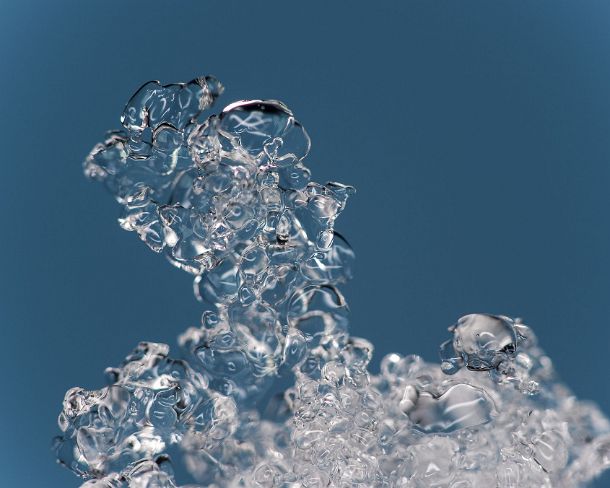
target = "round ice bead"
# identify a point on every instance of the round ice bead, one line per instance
(482, 341)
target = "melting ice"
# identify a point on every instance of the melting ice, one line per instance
(228, 199)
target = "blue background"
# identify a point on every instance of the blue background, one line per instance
(476, 132)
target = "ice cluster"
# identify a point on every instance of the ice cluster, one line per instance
(271, 390)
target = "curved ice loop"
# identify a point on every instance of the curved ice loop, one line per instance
(271, 390)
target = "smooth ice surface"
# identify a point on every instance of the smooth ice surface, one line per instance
(228, 199)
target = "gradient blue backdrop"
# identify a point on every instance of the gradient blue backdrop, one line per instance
(476, 132)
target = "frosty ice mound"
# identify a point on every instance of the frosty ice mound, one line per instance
(227, 198)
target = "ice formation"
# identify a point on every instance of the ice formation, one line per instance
(270, 390)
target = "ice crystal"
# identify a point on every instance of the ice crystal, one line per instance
(270, 390)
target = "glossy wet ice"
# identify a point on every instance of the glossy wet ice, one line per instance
(228, 199)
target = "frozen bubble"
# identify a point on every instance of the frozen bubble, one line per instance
(481, 342)
(461, 406)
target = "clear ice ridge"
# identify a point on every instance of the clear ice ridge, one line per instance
(270, 390)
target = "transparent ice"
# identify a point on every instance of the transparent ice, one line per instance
(271, 390)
